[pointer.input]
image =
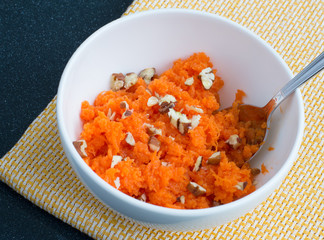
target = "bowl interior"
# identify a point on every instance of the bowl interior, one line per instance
(156, 40)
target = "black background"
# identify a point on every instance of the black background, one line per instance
(37, 38)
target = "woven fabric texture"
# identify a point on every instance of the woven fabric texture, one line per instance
(37, 168)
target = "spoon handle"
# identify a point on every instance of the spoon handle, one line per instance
(308, 72)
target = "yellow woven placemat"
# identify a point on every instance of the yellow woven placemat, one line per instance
(37, 168)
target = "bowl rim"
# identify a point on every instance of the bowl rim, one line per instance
(276, 179)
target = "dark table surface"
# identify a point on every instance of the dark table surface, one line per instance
(37, 38)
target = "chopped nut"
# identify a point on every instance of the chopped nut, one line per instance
(130, 139)
(130, 80)
(183, 118)
(115, 160)
(216, 203)
(151, 130)
(255, 182)
(117, 81)
(181, 199)
(241, 185)
(142, 197)
(207, 77)
(165, 107)
(148, 91)
(154, 144)
(255, 171)
(127, 113)
(180, 121)
(234, 140)
(194, 108)
(183, 127)
(189, 81)
(195, 121)
(123, 105)
(152, 101)
(147, 74)
(111, 115)
(196, 189)
(165, 164)
(80, 146)
(117, 182)
(167, 102)
(214, 159)
(168, 99)
(197, 164)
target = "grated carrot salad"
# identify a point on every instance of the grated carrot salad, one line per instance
(163, 176)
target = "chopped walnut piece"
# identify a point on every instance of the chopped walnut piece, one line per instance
(195, 121)
(115, 160)
(197, 164)
(189, 81)
(152, 101)
(207, 77)
(183, 127)
(168, 98)
(165, 164)
(255, 171)
(234, 141)
(214, 159)
(111, 115)
(216, 203)
(179, 120)
(241, 185)
(117, 182)
(165, 107)
(181, 199)
(255, 182)
(127, 113)
(142, 197)
(166, 102)
(147, 74)
(117, 81)
(151, 130)
(196, 189)
(148, 91)
(154, 144)
(123, 105)
(194, 108)
(130, 139)
(130, 80)
(80, 146)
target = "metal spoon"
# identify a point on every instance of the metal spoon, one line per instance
(263, 114)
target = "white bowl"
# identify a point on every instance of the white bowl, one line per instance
(157, 38)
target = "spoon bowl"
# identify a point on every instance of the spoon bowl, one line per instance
(260, 116)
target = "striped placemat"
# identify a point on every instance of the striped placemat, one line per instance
(37, 168)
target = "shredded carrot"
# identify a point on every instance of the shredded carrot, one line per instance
(239, 96)
(163, 175)
(264, 170)
(270, 148)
